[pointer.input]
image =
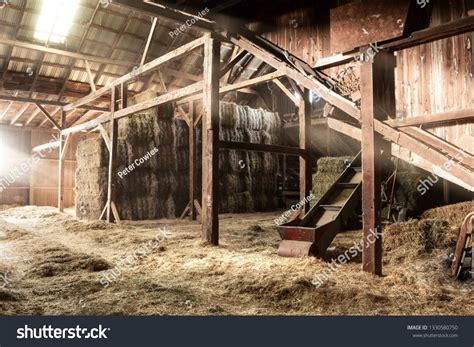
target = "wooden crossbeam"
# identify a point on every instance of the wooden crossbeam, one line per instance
(156, 9)
(162, 99)
(405, 154)
(153, 65)
(48, 116)
(45, 102)
(89, 75)
(285, 90)
(259, 147)
(148, 41)
(431, 119)
(445, 147)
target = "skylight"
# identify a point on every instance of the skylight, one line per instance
(55, 20)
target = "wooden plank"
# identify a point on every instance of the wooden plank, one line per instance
(45, 102)
(149, 67)
(306, 174)
(443, 117)
(396, 150)
(210, 143)
(67, 145)
(112, 175)
(192, 159)
(441, 145)
(286, 91)
(456, 27)
(105, 136)
(89, 75)
(378, 100)
(231, 64)
(259, 147)
(298, 72)
(64, 53)
(156, 9)
(367, 15)
(241, 86)
(162, 99)
(49, 145)
(19, 114)
(48, 116)
(61, 165)
(148, 41)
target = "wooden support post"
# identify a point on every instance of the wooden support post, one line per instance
(61, 164)
(283, 178)
(378, 101)
(304, 113)
(192, 160)
(210, 143)
(112, 156)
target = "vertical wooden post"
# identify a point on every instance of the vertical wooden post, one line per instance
(61, 164)
(112, 179)
(192, 159)
(210, 143)
(304, 113)
(283, 177)
(378, 101)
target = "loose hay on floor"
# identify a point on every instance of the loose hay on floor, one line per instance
(243, 276)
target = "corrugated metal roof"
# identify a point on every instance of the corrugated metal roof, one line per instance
(103, 39)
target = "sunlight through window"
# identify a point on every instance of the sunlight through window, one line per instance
(55, 20)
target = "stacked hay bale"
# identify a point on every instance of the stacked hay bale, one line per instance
(147, 192)
(91, 178)
(181, 146)
(158, 187)
(248, 180)
(328, 170)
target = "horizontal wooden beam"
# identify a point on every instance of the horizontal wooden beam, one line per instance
(61, 52)
(46, 102)
(48, 145)
(162, 99)
(258, 147)
(152, 65)
(430, 119)
(241, 86)
(401, 152)
(314, 122)
(156, 9)
(435, 33)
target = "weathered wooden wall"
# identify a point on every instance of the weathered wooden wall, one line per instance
(438, 77)
(430, 78)
(37, 185)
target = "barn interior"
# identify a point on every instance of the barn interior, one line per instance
(236, 158)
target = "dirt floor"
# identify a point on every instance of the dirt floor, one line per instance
(53, 264)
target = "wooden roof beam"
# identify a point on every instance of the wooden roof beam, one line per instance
(149, 67)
